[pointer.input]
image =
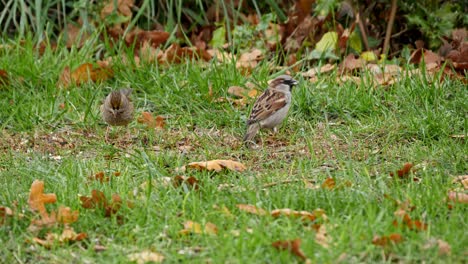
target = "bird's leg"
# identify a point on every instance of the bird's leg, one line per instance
(107, 134)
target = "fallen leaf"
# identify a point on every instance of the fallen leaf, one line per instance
(99, 177)
(68, 235)
(350, 63)
(145, 256)
(403, 172)
(444, 247)
(294, 246)
(410, 223)
(191, 182)
(304, 215)
(249, 60)
(84, 73)
(4, 213)
(463, 180)
(251, 209)
(329, 183)
(151, 122)
(66, 216)
(321, 237)
(217, 165)
(37, 198)
(458, 197)
(383, 241)
(191, 227)
(122, 7)
(98, 200)
(4, 79)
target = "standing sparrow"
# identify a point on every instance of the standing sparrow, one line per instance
(271, 107)
(117, 109)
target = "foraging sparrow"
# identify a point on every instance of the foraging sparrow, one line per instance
(117, 109)
(271, 107)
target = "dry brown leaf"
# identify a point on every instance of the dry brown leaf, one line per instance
(99, 177)
(83, 74)
(152, 38)
(4, 213)
(385, 240)
(216, 165)
(458, 197)
(404, 172)
(321, 237)
(37, 198)
(304, 215)
(68, 235)
(329, 184)
(191, 227)
(191, 182)
(151, 122)
(294, 246)
(251, 209)
(463, 180)
(410, 223)
(427, 56)
(4, 79)
(122, 7)
(249, 60)
(98, 200)
(66, 216)
(75, 36)
(444, 247)
(145, 257)
(314, 71)
(350, 63)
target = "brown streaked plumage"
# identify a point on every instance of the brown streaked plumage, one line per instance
(271, 107)
(117, 109)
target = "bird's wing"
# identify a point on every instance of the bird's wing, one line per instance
(267, 104)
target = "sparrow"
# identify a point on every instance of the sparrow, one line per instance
(271, 107)
(117, 109)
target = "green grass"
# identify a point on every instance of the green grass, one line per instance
(353, 133)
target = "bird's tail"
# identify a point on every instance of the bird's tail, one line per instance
(252, 130)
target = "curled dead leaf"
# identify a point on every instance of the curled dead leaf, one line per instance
(191, 227)
(251, 209)
(383, 241)
(304, 215)
(37, 198)
(145, 257)
(294, 246)
(66, 215)
(458, 197)
(215, 165)
(191, 182)
(4, 213)
(150, 121)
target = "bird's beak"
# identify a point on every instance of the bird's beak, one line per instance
(294, 82)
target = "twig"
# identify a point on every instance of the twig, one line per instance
(388, 34)
(281, 182)
(363, 31)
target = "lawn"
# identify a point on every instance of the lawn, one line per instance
(355, 134)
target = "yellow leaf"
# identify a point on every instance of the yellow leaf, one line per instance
(328, 41)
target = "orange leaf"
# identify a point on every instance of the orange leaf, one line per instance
(251, 209)
(191, 182)
(217, 165)
(99, 177)
(4, 79)
(458, 197)
(384, 240)
(305, 215)
(37, 198)
(83, 74)
(66, 215)
(97, 199)
(291, 245)
(4, 213)
(151, 122)
(403, 172)
(329, 183)
(191, 227)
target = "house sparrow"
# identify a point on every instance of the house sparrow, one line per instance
(117, 109)
(271, 107)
